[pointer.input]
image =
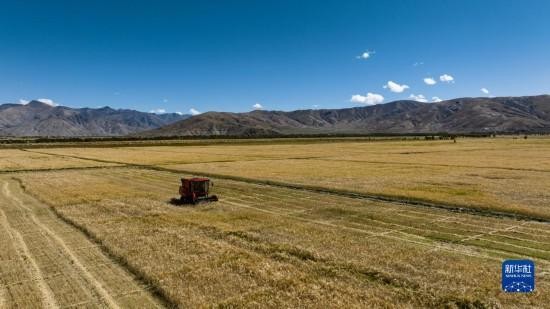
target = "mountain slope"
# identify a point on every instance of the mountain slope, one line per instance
(40, 119)
(464, 115)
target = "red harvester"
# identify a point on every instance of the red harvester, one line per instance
(195, 190)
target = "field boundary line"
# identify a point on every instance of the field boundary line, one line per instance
(507, 229)
(76, 168)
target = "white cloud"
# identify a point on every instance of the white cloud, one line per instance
(365, 55)
(179, 113)
(417, 64)
(429, 81)
(446, 78)
(436, 99)
(418, 98)
(47, 101)
(257, 106)
(23, 101)
(369, 99)
(395, 87)
(158, 111)
(194, 111)
(315, 105)
(484, 90)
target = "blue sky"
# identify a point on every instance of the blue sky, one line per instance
(283, 55)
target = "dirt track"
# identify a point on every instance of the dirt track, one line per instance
(46, 263)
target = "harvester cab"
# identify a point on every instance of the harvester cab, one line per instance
(195, 190)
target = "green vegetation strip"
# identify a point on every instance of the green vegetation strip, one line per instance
(194, 141)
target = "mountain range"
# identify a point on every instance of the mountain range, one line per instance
(40, 119)
(529, 114)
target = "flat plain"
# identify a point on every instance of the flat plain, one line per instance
(335, 223)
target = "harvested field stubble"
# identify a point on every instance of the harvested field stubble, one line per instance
(46, 263)
(277, 246)
(501, 174)
(283, 247)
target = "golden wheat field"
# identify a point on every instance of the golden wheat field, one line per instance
(321, 224)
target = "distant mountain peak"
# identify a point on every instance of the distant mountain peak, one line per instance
(36, 103)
